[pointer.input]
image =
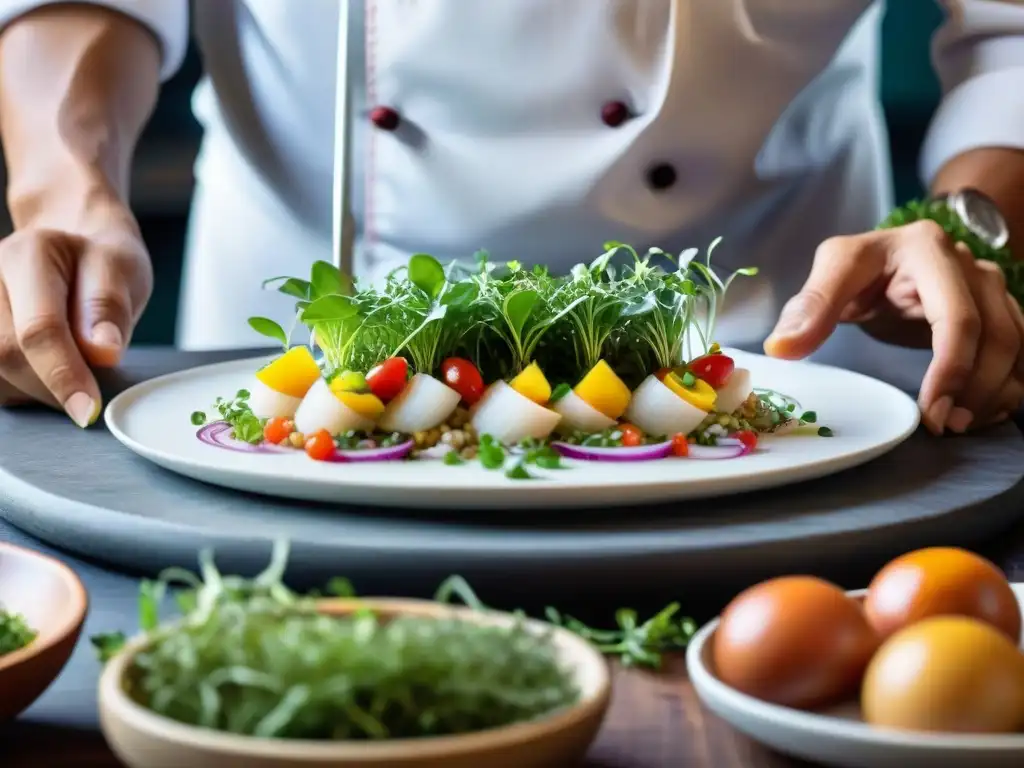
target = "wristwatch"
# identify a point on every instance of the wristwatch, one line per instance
(979, 214)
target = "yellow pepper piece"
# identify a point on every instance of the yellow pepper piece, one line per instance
(604, 391)
(365, 404)
(701, 395)
(293, 373)
(532, 384)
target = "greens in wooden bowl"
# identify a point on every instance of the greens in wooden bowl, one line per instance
(251, 657)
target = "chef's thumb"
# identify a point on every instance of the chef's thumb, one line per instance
(805, 324)
(103, 312)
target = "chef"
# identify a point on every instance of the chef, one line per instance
(537, 129)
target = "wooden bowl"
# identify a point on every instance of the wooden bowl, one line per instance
(144, 739)
(54, 603)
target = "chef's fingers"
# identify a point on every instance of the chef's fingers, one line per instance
(926, 259)
(843, 269)
(18, 383)
(999, 346)
(38, 269)
(107, 302)
(1018, 318)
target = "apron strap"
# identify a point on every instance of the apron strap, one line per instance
(342, 223)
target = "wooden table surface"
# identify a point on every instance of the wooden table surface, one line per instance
(656, 721)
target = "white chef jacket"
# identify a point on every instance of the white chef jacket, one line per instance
(539, 129)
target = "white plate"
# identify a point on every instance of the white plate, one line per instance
(838, 737)
(868, 418)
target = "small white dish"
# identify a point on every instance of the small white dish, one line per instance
(152, 420)
(837, 736)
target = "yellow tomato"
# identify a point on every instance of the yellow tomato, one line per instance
(701, 395)
(604, 391)
(293, 373)
(532, 384)
(365, 404)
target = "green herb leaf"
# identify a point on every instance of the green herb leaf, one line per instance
(452, 459)
(427, 274)
(269, 328)
(326, 280)
(460, 295)
(518, 472)
(330, 309)
(518, 307)
(108, 645)
(290, 286)
(560, 391)
(824, 432)
(809, 417)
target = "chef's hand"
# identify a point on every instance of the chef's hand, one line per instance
(69, 299)
(912, 286)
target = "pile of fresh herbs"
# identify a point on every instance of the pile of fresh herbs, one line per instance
(249, 656)
(939, 212)
(639, 313)
(15, 632)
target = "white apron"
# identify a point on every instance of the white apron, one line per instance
(536, 129)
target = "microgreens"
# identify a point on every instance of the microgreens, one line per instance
(15, 632)
(236, 412)
(504, 316)
(249, 656)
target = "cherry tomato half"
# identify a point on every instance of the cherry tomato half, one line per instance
(387, 379)
(748, 437)
(462, 376)
(714, 369)
(631, 436)
(680, 445)
(320, 445)
(277, 430)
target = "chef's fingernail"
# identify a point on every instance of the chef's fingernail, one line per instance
(107, 334)
(939, 413)
(82, 409)
(959, 419)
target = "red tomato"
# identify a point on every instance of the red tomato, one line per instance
(277, 430)
(462, 376)
(748, 437)
(387, 379)
(320, 446)
(680, 445)
(661, 373)
(714, 369)
(631, 436)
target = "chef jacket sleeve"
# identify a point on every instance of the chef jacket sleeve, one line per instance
(167, 19)
(979, 57)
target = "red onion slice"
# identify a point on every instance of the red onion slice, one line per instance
(219, 435)
(390, 453)
(632, 453)
(727, 448)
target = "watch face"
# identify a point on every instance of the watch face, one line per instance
(981, 215)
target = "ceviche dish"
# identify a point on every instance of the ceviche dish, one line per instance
(509, 366)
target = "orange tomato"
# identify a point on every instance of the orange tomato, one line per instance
(680, 445)
(277, 430)
(631, 436)
(320, 445)
(941, 581)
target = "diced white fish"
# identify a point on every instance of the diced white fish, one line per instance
(580, 416)
(510, 417)
(735, 392)
(267, 403)
(657, 410)
(321, 409)
(425, 403)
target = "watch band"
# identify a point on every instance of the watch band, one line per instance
(980, 214)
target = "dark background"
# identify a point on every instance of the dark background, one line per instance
(163, 179)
